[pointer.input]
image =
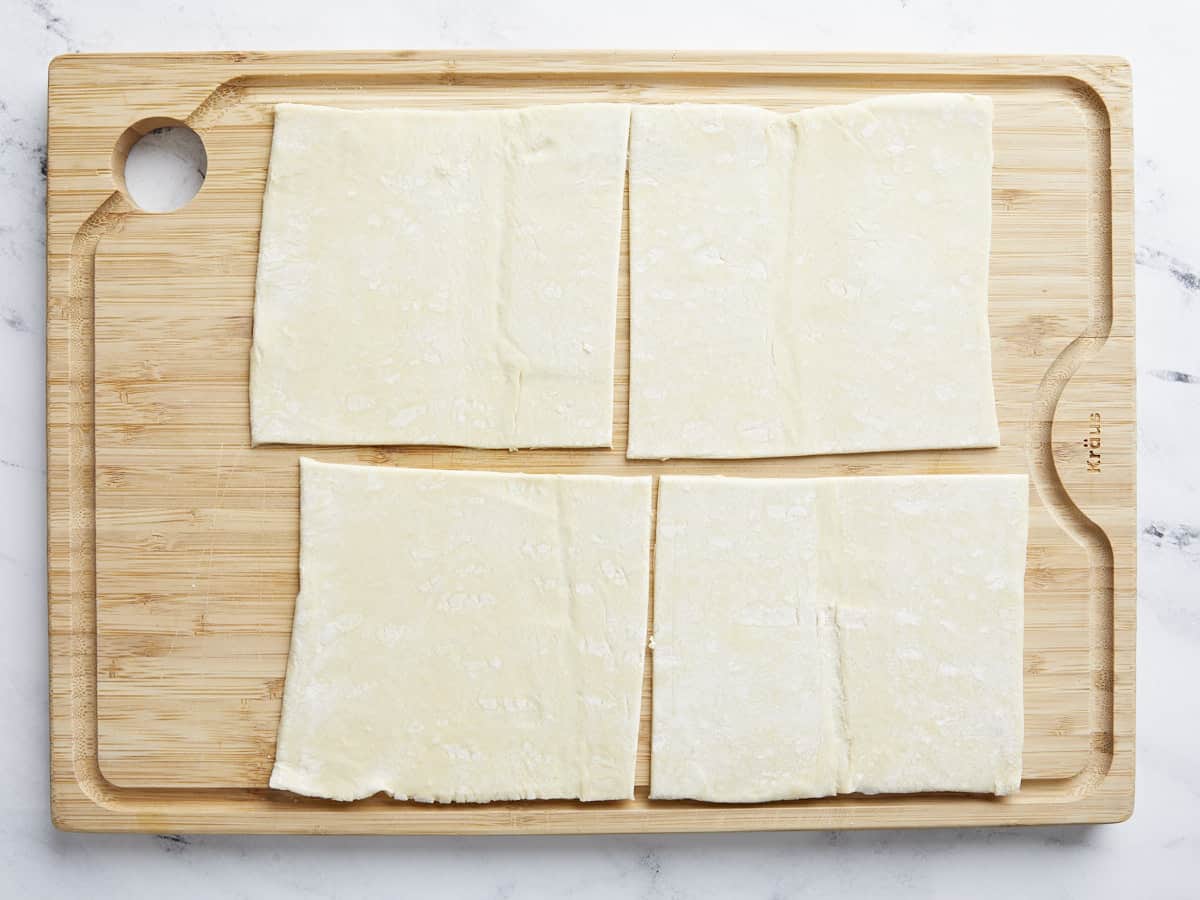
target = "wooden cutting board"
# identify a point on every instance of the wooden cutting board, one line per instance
(173, 543)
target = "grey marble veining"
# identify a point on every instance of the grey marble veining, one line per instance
(1156, 854)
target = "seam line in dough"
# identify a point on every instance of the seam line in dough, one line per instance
(513, 361)
(842, 720)
(782, 336)
(573, 638)
(832, 585)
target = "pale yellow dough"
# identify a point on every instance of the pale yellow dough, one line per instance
(810, 283)
(439, 277)
(840, 635)
(466, 636)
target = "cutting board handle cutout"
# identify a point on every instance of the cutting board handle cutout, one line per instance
(159, 164)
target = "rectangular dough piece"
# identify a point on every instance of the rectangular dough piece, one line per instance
(744, 687)
(466, 636)
(435, 277)
(838, 635)
(810, 283)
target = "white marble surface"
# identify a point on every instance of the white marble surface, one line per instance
(1155, 854)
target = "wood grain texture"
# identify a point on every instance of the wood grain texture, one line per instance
(173, 544)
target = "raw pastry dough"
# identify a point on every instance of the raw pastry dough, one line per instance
(820, 636)
(466, 636)
(930, 610)
(439, 277)
(744, 681)
(810, 283)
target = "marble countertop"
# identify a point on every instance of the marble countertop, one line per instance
(1156, 854)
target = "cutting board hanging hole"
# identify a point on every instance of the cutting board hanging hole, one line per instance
(159, 164)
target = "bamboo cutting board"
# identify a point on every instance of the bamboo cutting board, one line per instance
(173, 544)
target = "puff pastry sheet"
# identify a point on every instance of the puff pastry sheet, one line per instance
(466, 636)
(435, 277)
(838, 635)
(810, 283)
